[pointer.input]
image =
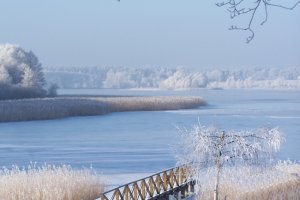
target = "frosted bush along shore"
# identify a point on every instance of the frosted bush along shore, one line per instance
(176, 78)
(279, 182)
(218, 150)
(49, 183)
(21, 74)
(52, 108)
(238, 164)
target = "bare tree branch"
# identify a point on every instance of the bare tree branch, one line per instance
(237, 8)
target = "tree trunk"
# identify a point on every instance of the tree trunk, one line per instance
(216, 190)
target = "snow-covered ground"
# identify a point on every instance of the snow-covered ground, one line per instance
(129, 145)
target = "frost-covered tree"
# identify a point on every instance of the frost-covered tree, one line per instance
(208, 146)
(21, 74)
(4, 76)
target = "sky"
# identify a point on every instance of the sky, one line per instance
(137, 33)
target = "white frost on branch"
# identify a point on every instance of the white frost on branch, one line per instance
(202, 144)
(212, 148)
(22, 68)
(21, 74)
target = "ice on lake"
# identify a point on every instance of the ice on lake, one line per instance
(129, 145)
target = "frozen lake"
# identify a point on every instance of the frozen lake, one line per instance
(129, 145)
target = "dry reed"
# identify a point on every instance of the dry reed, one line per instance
(61, 107)
(118, 104)
(279, 182)
(49, 183)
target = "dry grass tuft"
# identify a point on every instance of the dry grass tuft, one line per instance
(49, 183)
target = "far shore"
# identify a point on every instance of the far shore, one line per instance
(71, 106)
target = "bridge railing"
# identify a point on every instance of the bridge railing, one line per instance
(175, 181)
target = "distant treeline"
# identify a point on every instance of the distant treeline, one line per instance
(173, 78)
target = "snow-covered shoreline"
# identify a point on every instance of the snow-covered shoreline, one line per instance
(62, 107)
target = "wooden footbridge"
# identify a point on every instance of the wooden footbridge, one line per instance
(171, 184)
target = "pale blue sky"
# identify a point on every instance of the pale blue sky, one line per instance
(192, 33)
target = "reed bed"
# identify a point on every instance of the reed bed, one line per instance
(49, 183)
(48, 108)
(119, 104)
(278, 182)
(61, 107)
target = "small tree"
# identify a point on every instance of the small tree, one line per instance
(204, 146)
(52, 90)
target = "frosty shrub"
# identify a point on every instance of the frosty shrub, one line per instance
(52, 90)
(60, 107)
(280, 181)
(21, 74)
(214, 149)
(49, 183)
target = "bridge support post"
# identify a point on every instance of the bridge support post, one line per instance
(179, 195)
(171, 197)
(183, 190)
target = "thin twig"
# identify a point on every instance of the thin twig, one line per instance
(237, 8)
